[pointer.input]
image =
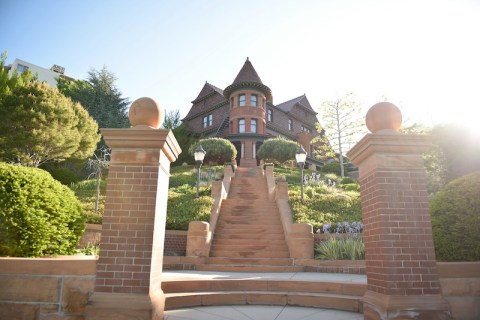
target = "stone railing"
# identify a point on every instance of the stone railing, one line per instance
(299, 236)
(199, 237)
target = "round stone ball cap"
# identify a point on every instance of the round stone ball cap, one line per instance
(384, 116)
(146, 112)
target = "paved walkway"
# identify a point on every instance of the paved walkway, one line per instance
(260, 312)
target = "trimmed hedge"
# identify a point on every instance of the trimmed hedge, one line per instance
(38, 215)
(218, 150)
(455, 212)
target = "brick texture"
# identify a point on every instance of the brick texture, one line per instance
(175, 243)
(398, 236)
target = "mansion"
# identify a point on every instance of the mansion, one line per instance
(244, 114)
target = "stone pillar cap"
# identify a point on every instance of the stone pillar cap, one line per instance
(384, 117)
(146, 112)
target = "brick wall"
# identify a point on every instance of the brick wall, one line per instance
(175, 243)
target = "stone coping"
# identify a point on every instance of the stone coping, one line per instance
(61, 265)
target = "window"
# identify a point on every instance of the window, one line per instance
(21, 68)
(241, 100)
(306, 129)
(208, 120)
(253, 100)
(290, 124)
(253, 126)
(241, 126)
(269, 115)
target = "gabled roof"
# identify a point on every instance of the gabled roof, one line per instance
(207, 91)
(302, 101)
(247, 78)
(247, 74)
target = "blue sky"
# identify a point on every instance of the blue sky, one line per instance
(422, 55)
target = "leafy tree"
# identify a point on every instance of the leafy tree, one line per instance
(99, 95)
(277, 149)
(343, 123)
(218, 150)
(8, 82)
(185, 139)
(172, 119)
(39, 216)
(39, 124)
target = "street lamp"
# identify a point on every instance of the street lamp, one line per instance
(199, 155)
(301, 156)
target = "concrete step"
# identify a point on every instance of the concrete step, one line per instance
(253, 235)
(245, 253)
(250, 261)
(250, 225)
(274, 242)
(244, 247)
(211, 298)
(248, 268)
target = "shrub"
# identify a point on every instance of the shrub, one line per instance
(218, 150)
(455, 212)
(351, 187)
(39, 216)
(347, 180)
(86, 191)
(332, 167)
(65, 176)
(277, 149)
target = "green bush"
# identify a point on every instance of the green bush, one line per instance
(218, 150)
(65, 176)
(277, 149)
(347, 180)
(332, 167)
(86, 192)
(455, 212)
(351, 187)
(39, 216)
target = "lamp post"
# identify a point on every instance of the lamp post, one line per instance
(199, 155)
(301, 156)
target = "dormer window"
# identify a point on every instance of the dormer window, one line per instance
(208, 120)
(253, 100)
(242, 100)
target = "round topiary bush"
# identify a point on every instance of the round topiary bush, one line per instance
(218, 150)
(38, 215)
(455, 212)
(332, 167)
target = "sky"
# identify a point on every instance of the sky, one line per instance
(421, 55)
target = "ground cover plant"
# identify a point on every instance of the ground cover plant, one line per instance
(345, 244)
(327, 200)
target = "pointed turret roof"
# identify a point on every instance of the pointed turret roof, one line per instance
(247, 74)
(247, 78)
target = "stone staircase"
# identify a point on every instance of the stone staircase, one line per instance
(249, 235)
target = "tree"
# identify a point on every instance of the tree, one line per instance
(185, 139)
(39, 125)
(343, 123)
(99, 95)
(172, 120)
(277, 149)
(8, 82)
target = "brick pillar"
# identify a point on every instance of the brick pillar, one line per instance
(128, 284)
(400, 259)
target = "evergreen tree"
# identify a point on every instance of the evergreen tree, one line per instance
(100, 97)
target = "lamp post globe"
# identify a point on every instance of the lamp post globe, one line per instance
(199, 155)
(301, 157)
